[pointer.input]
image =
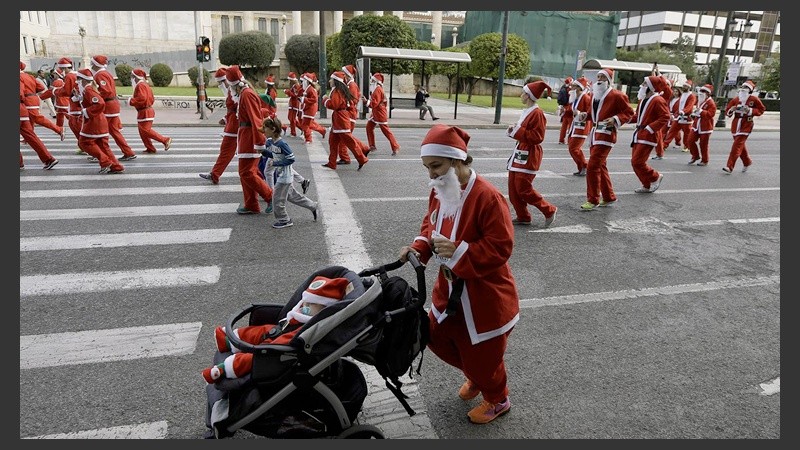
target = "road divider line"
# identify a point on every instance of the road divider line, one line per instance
(152, 430)
(111, 240)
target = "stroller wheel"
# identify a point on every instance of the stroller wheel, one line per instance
(362, 432)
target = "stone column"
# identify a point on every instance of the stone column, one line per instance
(337, 21)
(247, 21)
(398, 14)
(315, 22)
(377, 13)
(297, 22)
(436, 27)
(357, 13)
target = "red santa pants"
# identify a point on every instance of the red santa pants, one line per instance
(739, 150)
(574, 145)
(386, 132)
(598, 181)
(660, 142)
(148, 134)
(640, 153)
(115, 130)
(362, 147)
(98, 147)
(43, 121)
(698, 145)
(566, 123)
(253, 185)
(75, 122)
(481, 363)
(227, 150)
(26, 130)
(341, 142)
(292, 119)
(521, 194)
(675, 131)
(308, 125)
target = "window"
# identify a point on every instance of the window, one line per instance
(273, 28)
(25, 43)
(35, 48)
(225, 25)
(262, 24)
(237, 24)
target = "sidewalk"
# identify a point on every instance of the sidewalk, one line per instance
(466, 117)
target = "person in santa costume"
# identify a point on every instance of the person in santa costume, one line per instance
(379, 115)
(565, 114)
(94, 130)
(34, 88)
(610, 109)
(60, 103)
(682, 108)
(310, 107)
(320, 293)
(652, 115)
(341, 138)
(672, 133)
(742, 109)
(105, 85)
(227, 148)
(29, 135)
(294, 92)
(467, 232)
(350, 72)
(704, 116)
(525, 160)
(580, 101)
(143, 99)
(250, 141)
(69, 90)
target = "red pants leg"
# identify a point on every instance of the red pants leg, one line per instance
(115, 130)
(690, 142)
(253, 185)
(227, 150)
(148, 134)
(738, 150)
(574, 145)
(598, 181)
(704, 156)
(390, 136)
(639, 156)
(522, 184)
(371, 133)
(27, 132)
(43, 121)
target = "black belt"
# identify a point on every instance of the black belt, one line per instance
(244, 124)
(110, 99)
(142, 109)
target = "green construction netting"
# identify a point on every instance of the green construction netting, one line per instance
(554, 37)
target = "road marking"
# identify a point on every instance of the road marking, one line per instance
(128, 211)
(110, 240)
(651, 225)
(648, 292)
(102, 346)
(128, 176)
(71, 283)
(770, 387)
(100, 192)
(152, 430)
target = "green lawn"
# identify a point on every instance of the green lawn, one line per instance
(188, 91)
(547, 105)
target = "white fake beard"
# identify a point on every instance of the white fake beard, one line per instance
(743, 96)
(599, 88)
(305, 85)
(572, 96)
(224, 89)
(448, 191)
(701, 98)
(81, 88)
(133, 82)
(372, 87)
(642, 93)
(235, 97)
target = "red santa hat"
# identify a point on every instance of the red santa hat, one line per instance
(536, 89)
(445, 141)
(311, 77)
(749, 85)
(568, 80)
(85, 74)
(139, 74)
(64, 62)
(234, 76)
(99, 61)
(378, 77)
(59, 72)
(22, 66)
(655, 83)
(581, 82)
(350, 70)
(321, 291)
(292, 76)
(219, 75)
(270, 79)
(338, 76)
(707, 88)
(609, 73)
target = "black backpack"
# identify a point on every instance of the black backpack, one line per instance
(405, 334)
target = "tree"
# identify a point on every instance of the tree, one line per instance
(253, 51)
(123, 72)
(376, 31)
(485, 53)
(332, 54)
(451, 70)
(771, 73)
(161, 74)
(430, 66)
(192, 73)
(302, 53)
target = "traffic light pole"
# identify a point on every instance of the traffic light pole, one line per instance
(201, 91)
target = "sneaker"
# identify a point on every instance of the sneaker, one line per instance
(468, 391)
(92, 159)
(50, 165)
(152, 152)
(654, 185)
(328, 166)
(360, 165)
(305, 185)
(268, 209)
(582, 173)
(744, 169)
(168, 144)
(657, 157)
(281, 224)
(487, 412)
(435, 118)
(243, 210)
(693, 160)
(105, 169)
(128, 158)
(342, 162)
(112, 172)
(727, 170)
(520, 222)
(588, 206)
(207, 176)
(395, 152)
(61, 133)
(604, 203)
(314, 213)
(642, 190)
(702, 163)
(80, 152)
(549, 220)
(685, 149)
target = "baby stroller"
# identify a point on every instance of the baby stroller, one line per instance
(307, 389)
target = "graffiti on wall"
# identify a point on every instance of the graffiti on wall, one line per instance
(189, 104)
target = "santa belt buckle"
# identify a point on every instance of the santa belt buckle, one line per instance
(448, 274)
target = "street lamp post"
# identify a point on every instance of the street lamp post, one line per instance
(455, 35)
(433, 38)
(283, 31)
(742, 30)
(729, 24)
(84, 55)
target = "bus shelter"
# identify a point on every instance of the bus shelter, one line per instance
(636, 69)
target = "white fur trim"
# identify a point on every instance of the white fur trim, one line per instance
(318, 299)
(337, 78)
(444, 151)
(604, 72)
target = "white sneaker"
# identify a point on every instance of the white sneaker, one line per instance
(654, 185)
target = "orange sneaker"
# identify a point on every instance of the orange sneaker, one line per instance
(487, 412)
(468, 391)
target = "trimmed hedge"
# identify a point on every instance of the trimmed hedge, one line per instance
(161, 74)
(123, 72)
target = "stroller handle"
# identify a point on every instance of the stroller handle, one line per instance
(247, 347)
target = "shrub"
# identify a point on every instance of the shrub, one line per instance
(161, 75)
(192, 74)
(123, 72)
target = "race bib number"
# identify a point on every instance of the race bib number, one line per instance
(521, 156)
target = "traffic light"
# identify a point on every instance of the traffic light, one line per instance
(199, 55)
(206, 48)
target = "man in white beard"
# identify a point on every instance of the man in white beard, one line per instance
(742, 108)
(227, 148)
(704, 116)
(468, 231)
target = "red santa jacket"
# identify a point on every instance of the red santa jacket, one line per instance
(95, 124)
(353, 107)
(706, 118)
(582, 104)
(686, 103)
(742, 123)
(107, 89)
(61, 103)
(23, 111)
(613, 104)
(484, 239)
(529, 134)
(294, 93)
(231, 120)
(377, 105)
(340, 118)
(652, 115)
(310, 98)
(143, 99)
(67, 91)
(250, 139)
(32, 88)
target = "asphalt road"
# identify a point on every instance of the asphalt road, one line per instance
(658, 317)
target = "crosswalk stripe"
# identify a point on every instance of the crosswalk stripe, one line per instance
(152, 430)
(115, 344)
(109, 240)
(117, 280)
(128, 176)
(149, 190)
(127, 211)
